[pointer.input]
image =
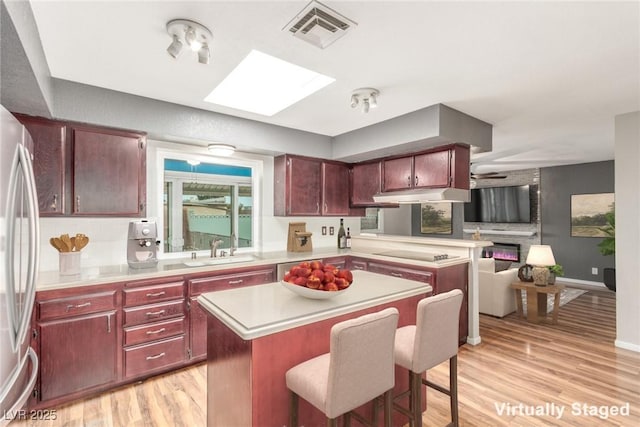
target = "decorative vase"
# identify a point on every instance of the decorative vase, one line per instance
(552, 278)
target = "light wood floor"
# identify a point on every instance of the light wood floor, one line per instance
(572, 363)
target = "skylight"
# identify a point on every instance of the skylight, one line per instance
(266, 85)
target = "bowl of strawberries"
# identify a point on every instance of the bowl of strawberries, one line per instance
(316, 280)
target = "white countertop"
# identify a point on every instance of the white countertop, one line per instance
(256, 311)
(50, 280)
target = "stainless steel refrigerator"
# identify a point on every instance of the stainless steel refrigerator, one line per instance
(19, 250)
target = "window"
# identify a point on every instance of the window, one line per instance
(204, 201)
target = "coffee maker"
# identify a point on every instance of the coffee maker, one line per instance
(142, 246)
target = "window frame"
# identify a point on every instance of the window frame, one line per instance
(156, 179)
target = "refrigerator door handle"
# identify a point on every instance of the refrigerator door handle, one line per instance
(19, 322)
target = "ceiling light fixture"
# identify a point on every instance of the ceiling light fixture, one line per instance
(367, 96)
(196, 36)
(221, 149)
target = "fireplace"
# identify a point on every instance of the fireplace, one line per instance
(503, 251)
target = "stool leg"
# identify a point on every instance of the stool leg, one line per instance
(453, 389)
(293, 409)
(416, 399)
(388, 404)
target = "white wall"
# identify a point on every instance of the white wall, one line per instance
(108, 236)
(627, 183)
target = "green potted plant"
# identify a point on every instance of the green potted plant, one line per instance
(555, 271)
(608, 247)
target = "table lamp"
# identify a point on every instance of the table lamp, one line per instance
(540, 257)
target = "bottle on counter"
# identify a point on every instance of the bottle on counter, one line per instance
(342, 236)
(348, 239)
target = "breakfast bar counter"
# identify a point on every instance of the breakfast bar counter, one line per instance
(255, 334)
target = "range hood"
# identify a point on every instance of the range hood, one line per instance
(424, 195)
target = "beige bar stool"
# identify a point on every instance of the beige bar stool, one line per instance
(358, 368)
(420, 347)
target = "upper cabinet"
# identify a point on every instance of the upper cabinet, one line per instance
(86, 170)
(441, 167)
(305, 186)
(366, 181)
(109, 173)
(49, 160)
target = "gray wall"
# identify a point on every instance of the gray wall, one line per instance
(576, 254)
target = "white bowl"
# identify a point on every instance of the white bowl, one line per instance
(312, 293)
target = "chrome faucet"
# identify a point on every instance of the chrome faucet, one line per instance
(232, 245)
(214, 245)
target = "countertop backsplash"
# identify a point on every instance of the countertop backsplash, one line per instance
(108, 237)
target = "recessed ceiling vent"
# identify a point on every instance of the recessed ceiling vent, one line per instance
(319, 25)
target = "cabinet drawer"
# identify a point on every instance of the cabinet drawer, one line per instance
(154, 331)
(153, 313)
(230, 281)
(76, 305)
(151, 294)
(401, 272)
(147, 358)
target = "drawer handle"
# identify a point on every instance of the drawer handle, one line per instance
(84, 304)
(416, 180)
(159, 331)
(394, 274)
(157, 356)
(155, 313)
(235, 282)
(157, 294)
(357, 267)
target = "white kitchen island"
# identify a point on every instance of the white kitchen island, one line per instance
(255, 334)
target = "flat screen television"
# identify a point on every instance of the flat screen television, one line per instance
(500, 204)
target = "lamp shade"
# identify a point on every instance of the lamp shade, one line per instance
(541, 256)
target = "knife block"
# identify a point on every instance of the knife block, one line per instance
(299, 239)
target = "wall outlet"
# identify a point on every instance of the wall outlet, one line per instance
(594, 271)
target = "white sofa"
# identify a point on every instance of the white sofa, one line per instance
(496, 297)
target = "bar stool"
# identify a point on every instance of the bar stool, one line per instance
(430, 342)
(358, 368)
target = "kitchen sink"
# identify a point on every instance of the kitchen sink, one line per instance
(219, 261)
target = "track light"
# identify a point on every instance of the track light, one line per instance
(203, 54)
(195, 35)
(175, 47)
(367, 95)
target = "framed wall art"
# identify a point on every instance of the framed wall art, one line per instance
(588, 214)
(435, 218)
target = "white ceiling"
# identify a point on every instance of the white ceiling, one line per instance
(549, 76)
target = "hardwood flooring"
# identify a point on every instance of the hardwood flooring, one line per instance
(539, 366)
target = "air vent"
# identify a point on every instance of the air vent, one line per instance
(319, 25)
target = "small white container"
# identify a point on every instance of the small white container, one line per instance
(69, 263)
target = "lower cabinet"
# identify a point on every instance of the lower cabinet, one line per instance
(76, 338)
(217, 282)
(154, 327)
(441, 280)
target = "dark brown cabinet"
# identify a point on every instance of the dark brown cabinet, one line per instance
(366, 181)
(77, 344)
(297, 186)
(305, 186)
(441, 167)
(86, 170)
(154, 322)
(49, 159)
(335, 189)
(109, 174)
(218, 282)
(441, 280)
